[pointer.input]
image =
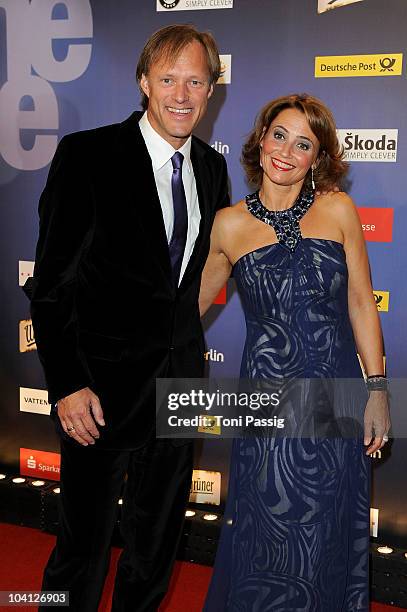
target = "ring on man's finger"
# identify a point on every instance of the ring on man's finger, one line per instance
(385, 438)
(70, 429)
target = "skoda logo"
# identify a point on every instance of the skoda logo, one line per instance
(168, 4)
(387, 64)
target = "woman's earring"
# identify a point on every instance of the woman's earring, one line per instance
(312, 178)
(260, 147)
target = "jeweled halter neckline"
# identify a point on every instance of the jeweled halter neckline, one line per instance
(284, 222)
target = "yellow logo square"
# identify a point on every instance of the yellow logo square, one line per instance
(381, 64)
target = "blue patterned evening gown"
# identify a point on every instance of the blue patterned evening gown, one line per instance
(296, 526)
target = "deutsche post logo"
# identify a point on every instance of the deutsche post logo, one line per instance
(169, 5)
(378, 64)
(382, 300)
(387, 64)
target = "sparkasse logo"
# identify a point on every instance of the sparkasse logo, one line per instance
(369, 145)
(40, 464)
(377, 223)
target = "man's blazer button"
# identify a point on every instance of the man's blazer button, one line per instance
(172, 348)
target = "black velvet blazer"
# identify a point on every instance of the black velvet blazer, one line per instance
(105, 312)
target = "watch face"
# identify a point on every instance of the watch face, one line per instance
(169, 4)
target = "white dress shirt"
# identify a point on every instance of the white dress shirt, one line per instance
(161, 152)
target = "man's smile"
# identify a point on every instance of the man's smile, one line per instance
(179, 111)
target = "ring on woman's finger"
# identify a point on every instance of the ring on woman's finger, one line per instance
(385, 438)
(70, 429)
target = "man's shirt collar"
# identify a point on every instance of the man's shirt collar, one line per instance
(159, 149)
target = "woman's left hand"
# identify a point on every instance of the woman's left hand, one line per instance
(376, 421)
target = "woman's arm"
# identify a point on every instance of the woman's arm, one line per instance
(218, 267)
(364, 319)
(362, 307)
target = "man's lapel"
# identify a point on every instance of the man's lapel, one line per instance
(139, 188)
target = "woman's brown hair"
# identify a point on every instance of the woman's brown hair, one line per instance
(168, 43)
(330, 165)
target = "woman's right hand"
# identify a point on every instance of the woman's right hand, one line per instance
(376, 421)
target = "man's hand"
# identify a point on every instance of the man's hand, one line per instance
(376, 421)
(75, 413)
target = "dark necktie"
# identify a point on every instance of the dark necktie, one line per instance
(179, 234)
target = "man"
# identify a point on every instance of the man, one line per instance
(125, 221)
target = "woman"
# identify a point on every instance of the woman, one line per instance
(296, 533)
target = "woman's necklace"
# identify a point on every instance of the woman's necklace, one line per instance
(284, 222)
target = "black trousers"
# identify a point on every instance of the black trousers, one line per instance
(156, 493)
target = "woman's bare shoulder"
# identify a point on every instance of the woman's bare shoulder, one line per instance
(337, 199)
(343, 211)
(339, 203)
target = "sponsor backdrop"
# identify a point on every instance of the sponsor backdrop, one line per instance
(69, 65)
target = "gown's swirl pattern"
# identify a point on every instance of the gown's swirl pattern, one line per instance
(296, 531)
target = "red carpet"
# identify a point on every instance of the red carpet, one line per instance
(25, 551)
